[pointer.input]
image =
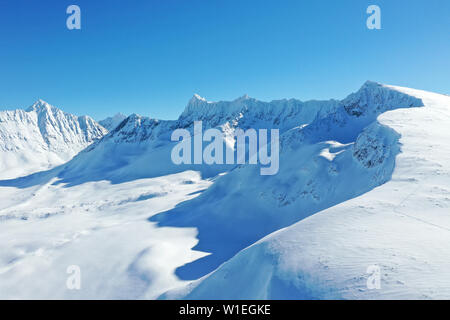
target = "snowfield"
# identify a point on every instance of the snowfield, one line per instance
(362, 182)
(101, 228)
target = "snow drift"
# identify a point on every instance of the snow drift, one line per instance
(402, 226)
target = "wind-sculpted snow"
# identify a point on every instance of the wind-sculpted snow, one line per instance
(402, 227)
(42, 137)
(318, 163)
(243, 206)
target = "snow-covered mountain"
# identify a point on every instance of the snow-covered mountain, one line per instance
(42, 137)
(401, 227)
(246, 112)
(111, 123)
(318, 166)
(126, 152)
(361, 182)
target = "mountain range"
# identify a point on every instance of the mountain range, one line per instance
(362, 181)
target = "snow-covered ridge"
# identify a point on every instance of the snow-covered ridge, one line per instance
(136, 128)
(319, 161)
(402, 226)
(41, 137)
(111, 123)
(375, 98)
(137, 137)
(245, 112)
(133, 142)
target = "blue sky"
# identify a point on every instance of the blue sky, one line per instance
(150, 57)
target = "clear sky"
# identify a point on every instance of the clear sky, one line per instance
(150, 56)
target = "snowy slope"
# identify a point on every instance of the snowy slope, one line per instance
(402, 226)
(362, 181)
(100, 227)
(111, 123)
(42, 137)
(333, 159)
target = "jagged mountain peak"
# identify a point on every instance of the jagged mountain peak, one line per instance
(137, 128)
(373, 98)
(42, 137)
(196, 101)
(134, 121)
(370, 83)
(196, 97)
(113, 122)
(41, 106)
(243, 98)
